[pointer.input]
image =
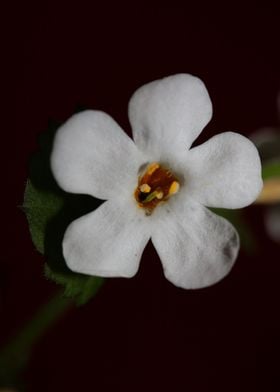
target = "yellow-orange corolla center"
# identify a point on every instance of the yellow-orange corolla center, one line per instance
(155, 186)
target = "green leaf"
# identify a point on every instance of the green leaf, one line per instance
(49, 211)
(40, 207)
(48, 215)
(77, 286)
(271, 169)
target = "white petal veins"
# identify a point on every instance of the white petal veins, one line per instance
(107, 242)
(167, 115)
(224, 172)
(197, 248)
(93, 155)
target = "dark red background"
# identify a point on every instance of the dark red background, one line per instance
(143, 333)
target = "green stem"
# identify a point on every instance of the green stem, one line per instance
(14, 356)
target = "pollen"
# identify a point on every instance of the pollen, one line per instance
(152, 168)
(174, 188)
(155, 186)
(159, 195)
(145, 188)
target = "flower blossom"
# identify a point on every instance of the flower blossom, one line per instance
(156, 186)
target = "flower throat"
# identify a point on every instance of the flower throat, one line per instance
(155, 186)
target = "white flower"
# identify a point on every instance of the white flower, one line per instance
(156, 187)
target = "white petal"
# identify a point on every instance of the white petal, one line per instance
(92, 155)
(167, 115)
(197, 248)
(224, 172)
(107, 242)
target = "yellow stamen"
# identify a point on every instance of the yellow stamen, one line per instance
(174, 187)
(152, 168)
(159, 195)
(155, 186)
(145, 188)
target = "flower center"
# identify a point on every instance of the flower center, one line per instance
(155, 186)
